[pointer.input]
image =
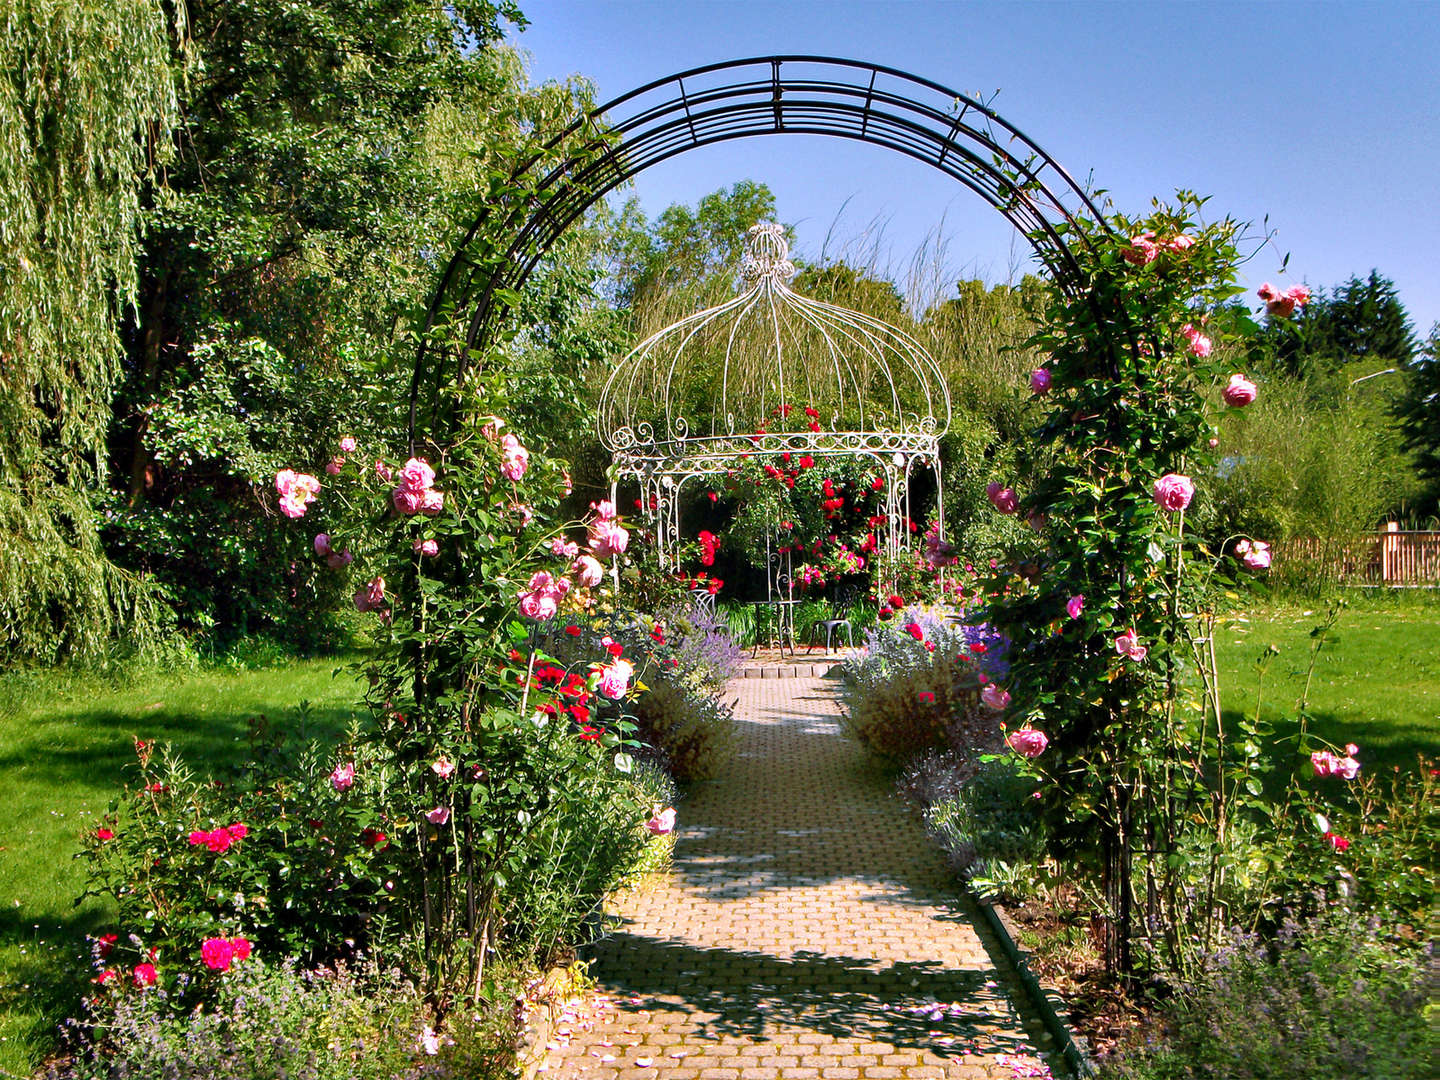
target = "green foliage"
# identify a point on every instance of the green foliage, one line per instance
(1330, 997)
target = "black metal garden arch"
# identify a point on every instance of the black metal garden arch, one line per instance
(774, 95)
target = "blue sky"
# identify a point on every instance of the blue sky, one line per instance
(1325, 117)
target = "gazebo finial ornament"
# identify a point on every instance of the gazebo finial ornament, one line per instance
(781, 372)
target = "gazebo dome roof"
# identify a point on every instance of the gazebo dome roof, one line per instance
(773, 361)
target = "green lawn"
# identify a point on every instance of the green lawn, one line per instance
(1376, 683)
(65, 748)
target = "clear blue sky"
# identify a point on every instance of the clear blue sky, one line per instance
(1323, 116)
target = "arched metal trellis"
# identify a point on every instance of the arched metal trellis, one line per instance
(777, 95)
(782, 376)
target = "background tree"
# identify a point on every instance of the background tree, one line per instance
(1419, 413)
(87, 106)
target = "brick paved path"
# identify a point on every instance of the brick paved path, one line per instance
(808, 930)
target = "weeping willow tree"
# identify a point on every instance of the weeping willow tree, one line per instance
(87, 101)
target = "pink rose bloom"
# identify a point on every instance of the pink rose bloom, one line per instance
(1075, 605)
(526, 514)
(432, 502)
(285, 482)
(417, 475)
(608, 538)
(217, 952)
(615, 679)
(1348, 767)
(383, 471)
(516, 459)
(347, 444)
(407, 501)
(1142, 250)
(427, 547)
(322, 544)
(1002, 498)
(566, 549)
(1200, 345)
(662, 822)
(338, 560)
(1174, 492)
(442, 767)
(439, 816)
(219, 841)
(238, 831)
(334, 465)
(292, 507)
(1040, 380)
(1213, 443)
(1299, 295)
(240, 947)
(343, 778)
(995, 697)
(1255, 554)
(1238, 392)
(1128, 645)
(1027, 742)
(604, 510)
(145, 975)
(1181, 242)
(372, 597)
(1282, 304)
(588, 571)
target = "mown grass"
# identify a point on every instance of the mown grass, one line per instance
(1376, 680)
(66, 744)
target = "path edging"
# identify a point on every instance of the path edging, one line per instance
(1046, 1003)
(542, 1008)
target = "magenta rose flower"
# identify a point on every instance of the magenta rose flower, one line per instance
(217, 953)
(1200, 345)
(1174, 491)
(343, 776)
(1003, 499)
(1075, 605)
(1238, 392)
(322, 544)
(615, 679)
(1027, 742)
(1128, 645)
(432, 501)
(417, 475)
(1255, 554)
(995, 697)
(427, 547)
(347, 444)
(438, 816)
(1040, 381)
(588, 571)
(407, 501)
(338, 560)
(608, 538)
(371, 597)
(1142, 250)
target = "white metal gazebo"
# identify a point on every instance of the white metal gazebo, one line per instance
(778, 372)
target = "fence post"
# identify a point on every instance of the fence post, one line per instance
(1389, 548)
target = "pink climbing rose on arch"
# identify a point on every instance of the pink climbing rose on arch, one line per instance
(1173, 491)
(1003, 499)
(1238, 392)
(1128, 645)
(1028, 742)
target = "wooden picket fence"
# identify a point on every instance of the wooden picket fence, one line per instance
(1402, 558)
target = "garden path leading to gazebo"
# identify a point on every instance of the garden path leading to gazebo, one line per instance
(808, 928)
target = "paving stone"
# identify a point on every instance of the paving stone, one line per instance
(808, 929)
